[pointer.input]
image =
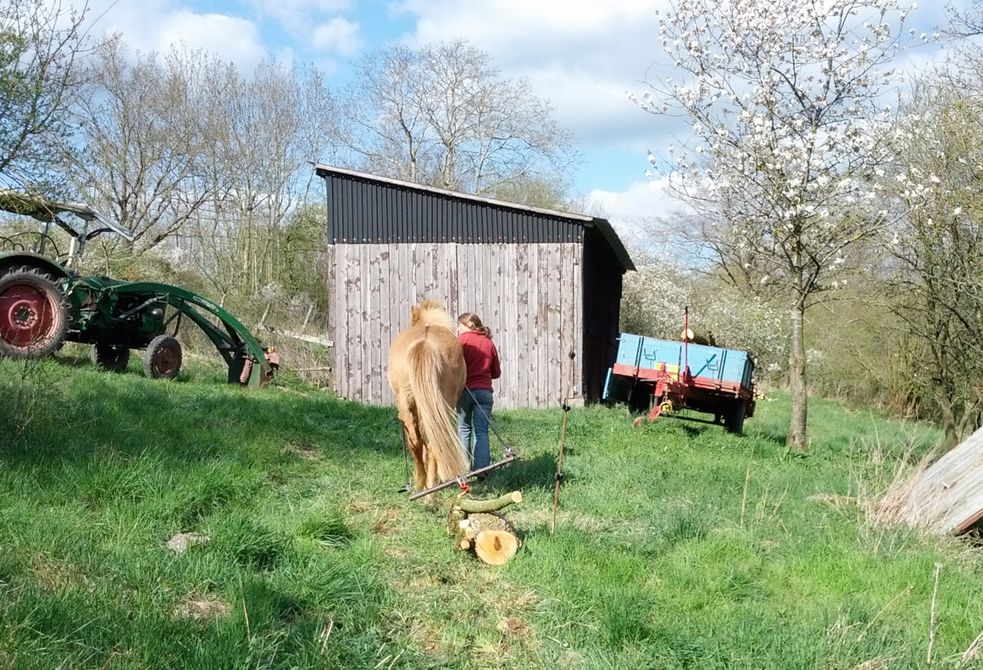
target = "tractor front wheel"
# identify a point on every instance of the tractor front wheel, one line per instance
(110, 357)
(32, 317)
(162, 360)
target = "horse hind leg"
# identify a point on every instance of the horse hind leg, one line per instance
(431, 469)
(414, 444)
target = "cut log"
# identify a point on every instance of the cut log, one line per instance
(478, 526)
(463, 534)
(495, 547)
(494, 538)
(947, 497)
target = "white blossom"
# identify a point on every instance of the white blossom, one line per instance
(790, 135)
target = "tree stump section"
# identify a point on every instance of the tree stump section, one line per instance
(479, 527)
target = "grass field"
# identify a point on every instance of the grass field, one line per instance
(678, 545)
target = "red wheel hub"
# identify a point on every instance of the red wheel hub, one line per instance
(166, 360)
(26, 315)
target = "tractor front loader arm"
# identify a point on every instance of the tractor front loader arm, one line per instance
(234, 342)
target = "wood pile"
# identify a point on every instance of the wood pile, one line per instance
(480, 527)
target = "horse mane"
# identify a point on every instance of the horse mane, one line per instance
(431, 312)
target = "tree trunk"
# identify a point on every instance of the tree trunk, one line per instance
(958, 416)
(947, 415)
(796, 440)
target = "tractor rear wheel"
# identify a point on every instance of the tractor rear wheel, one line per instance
(110, 357)
(162, 359)
(32, 317)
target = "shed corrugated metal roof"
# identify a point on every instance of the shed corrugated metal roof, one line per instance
(507, 227)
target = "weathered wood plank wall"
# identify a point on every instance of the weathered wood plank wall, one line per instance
(528, 294)
(947, 497)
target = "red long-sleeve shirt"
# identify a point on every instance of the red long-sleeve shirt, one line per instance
(481, 357)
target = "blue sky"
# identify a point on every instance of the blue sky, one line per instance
(582, 55)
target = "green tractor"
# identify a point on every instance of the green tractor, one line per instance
(44, 302)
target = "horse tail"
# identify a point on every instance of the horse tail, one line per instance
(437, 417)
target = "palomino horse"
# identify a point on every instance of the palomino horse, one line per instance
(427, 374)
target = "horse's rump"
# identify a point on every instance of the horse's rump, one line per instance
(436, 380)
(427, 374)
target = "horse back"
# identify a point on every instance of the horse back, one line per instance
(446, 345)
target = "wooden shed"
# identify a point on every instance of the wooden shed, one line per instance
(546, 283)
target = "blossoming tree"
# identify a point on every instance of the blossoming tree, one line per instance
(786, 101)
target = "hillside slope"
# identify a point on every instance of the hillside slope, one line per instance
(678, 545)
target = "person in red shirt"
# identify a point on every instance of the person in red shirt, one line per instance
(474, 407)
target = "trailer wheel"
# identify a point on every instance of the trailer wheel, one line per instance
(640, 398)
(162, 359)
(110, 357)
(734, 418)
(32, 317)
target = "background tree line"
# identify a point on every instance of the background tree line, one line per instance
(831, 234)
(814, 193)
(210, 166)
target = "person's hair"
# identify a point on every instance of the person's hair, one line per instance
(472, 321)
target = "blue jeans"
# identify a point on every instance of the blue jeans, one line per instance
(472, 422)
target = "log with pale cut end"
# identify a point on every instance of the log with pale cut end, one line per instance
(944, 497)
(495, 540)
(495, 547)
(463, 534)
(477, 526)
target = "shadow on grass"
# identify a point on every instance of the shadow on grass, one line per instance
(536, 472)
(75, 416)
(769, 434)
(75, 359)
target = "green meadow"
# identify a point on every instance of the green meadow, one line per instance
(677, 545)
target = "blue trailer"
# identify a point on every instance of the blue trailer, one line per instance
(660, 376)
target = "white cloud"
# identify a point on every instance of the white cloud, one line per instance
(595, 109)
(235, 39)
(300, 6)
(641, 200)
(582, 55)
(642, 214)
(149, 25)
(338, 35)
(297, 13)
(503, 22)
